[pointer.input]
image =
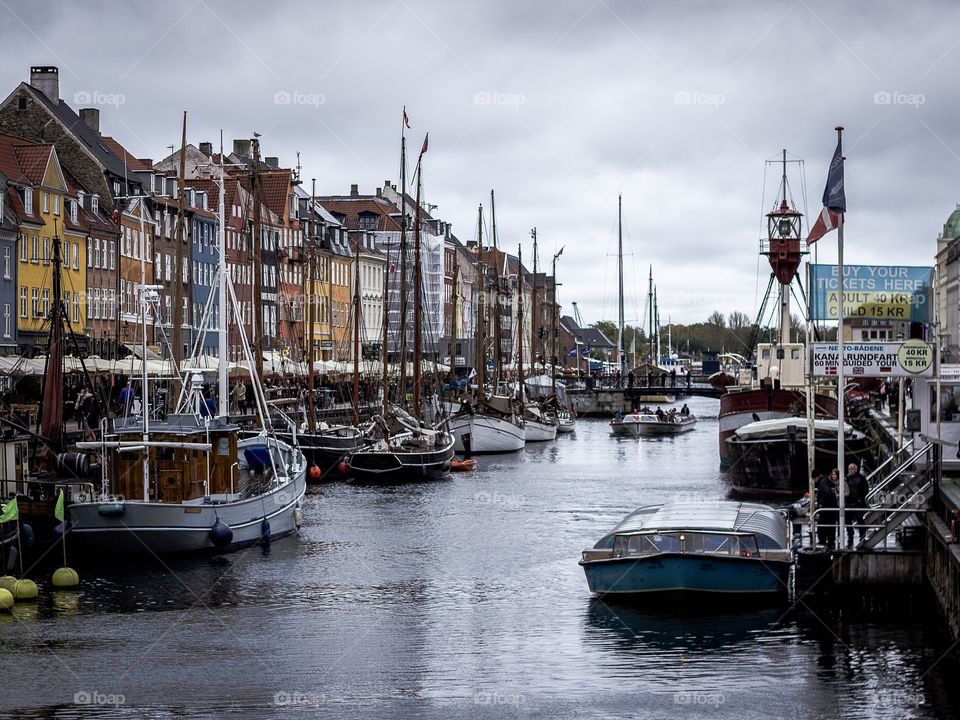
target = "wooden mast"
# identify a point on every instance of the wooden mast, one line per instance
(356, 334)
(621, 361)
(311, 306)
(257, 263)
(520, 387)
(402, 386)
(178, 254)
(417, 299)
(534, 325)
(497, 320)
(481, 336)
(454, 297)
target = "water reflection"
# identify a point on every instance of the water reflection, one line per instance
(635, 629)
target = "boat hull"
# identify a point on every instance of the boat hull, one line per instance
(565, 426)
(327, 449)
(487, 434)
(387, 467)
(779, 466)
(742, 407)
(131, 527)
(536, 431)
(687, 575)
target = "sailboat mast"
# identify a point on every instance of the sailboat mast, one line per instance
(356, 334)
(497, 320)
(621, 360)
(534, 325)
(178, 253)
(650, 340)
(454, 309)
(520, 387)
(257, 263)
(417, 303)
(481, 339)
(311, 303)
(402, 387)
(224, 409)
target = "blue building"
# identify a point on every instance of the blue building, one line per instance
(204, 257)
(9, 226)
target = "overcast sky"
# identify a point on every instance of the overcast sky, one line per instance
(559, 106)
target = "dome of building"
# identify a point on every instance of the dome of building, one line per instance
(951, 228)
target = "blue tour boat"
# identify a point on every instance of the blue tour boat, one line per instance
(692, 549)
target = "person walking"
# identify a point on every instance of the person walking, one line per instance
(827, 502)
(856, 498)
(673, 377)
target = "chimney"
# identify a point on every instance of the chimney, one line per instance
(46, 79)
(241, 148)
(354, 190)
(146, 161)
(379, 192)
(91, 118)
(273, 162)
(206, 148)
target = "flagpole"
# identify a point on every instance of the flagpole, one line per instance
(841, 465)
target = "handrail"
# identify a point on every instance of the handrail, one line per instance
(903, 467)
(890, 459)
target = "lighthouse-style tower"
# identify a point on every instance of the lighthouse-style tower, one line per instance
(783, 250)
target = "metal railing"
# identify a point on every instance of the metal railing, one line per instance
(901, 470)
(899, 451)
(876, 527)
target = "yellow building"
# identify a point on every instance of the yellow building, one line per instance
(316, 297)
(45, 229)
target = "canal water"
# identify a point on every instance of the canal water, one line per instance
(463, 599)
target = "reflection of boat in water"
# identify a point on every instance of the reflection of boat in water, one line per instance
(770, 456)
(636, 424)
(692, 549)
(680, 629)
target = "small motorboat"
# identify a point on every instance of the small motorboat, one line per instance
(566, 422)
(636, 424)
(463, 465)
(720, 548)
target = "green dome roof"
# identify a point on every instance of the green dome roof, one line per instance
(951, 228)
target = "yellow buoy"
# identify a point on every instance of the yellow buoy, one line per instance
(7, 582)
(6, 599)
(24, 590)
(65, 577)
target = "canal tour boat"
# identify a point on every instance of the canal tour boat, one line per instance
(637, 424)
(692, 549)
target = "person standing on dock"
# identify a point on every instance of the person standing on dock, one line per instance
(826, 502)
(856, 498)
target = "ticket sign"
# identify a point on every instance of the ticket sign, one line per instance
(894, 293)
(911, 358)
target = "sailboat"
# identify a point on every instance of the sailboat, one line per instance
(404, 447)
(772, 387)
(188, 482)
(538, 425)
(325, 445)
(485, 424)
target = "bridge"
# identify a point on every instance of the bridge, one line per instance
(607, 397)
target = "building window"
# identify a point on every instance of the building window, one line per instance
(56, 204)
(23, 247)
(6, 262)
(45, 202)
(46, 302)
(23, 301)
(35, 302)
(35, 249)
(73, 211)
(6, 320)
(96, 303)
(123, 289)
(90, 242)
(28, 201)
(76, 307)
(95, 203)
(113, 254)
(76, 256)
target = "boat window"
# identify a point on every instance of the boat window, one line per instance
(748, 546)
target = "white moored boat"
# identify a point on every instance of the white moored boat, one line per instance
(636, 424)
(537, 427)
(477, 433)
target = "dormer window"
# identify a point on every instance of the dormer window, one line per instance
(80, 197)
(73, 211)
(116, 187)
(28, 201)
(95, 203)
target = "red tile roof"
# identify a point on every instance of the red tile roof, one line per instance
(33, 160)
(351, 208)
(133, 165)
(275, 187)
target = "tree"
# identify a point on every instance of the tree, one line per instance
(716, 318)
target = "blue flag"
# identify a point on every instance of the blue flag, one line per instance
(586, 350)
(833, 195)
